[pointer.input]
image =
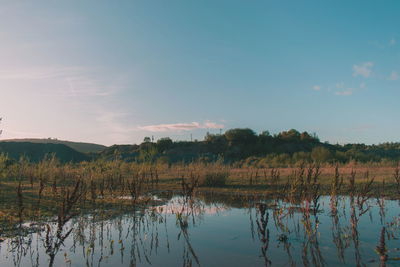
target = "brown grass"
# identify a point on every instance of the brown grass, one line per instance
(49, 188)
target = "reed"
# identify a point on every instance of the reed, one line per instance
(190, 184)
(396, 176)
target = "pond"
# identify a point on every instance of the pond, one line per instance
(218, 231)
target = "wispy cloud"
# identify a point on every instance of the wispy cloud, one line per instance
(86, 86)
(82, 94)
(393, 76)
(384, 44)
(347, 92)
(213, 125)
(78, 80)
(363, 69)
(340, 85)
(113, 126)
(39, 73)
(177, 127)
(316, 87)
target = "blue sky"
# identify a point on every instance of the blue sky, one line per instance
(116, 71)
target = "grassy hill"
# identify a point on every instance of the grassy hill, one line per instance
(36, 152)
(78, 146)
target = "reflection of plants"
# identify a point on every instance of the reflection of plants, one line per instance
(364, 193)
(183, 224)
(263, 231)
(100, 236)
(53, 241)
(182, 220)
(381, 248)
(311, 248)
(335, 189)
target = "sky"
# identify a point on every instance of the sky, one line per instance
(113, 72)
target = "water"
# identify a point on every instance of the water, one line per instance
(223, 232)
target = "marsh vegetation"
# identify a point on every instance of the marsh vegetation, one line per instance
(103, 212)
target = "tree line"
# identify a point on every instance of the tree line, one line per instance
(244, 145)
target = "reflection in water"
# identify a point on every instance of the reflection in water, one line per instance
(215, 231)
(263, 232)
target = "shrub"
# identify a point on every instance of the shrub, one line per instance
(215, 179)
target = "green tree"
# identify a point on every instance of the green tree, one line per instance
(164, 144)
(306, 137)
(240, 136)
(290, 136)
(216, 143)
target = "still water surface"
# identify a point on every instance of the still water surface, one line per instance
(219, 232)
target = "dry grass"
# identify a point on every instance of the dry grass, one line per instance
(52, 189)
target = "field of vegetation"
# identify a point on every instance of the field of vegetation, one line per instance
(50, 188)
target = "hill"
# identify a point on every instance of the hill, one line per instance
(36, 152)
(78, 146)
(235, 146)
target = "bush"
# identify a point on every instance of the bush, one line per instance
(215, 179)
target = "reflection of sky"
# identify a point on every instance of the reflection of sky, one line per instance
(177, 206)
(218, 240)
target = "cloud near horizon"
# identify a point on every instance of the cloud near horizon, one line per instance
(181, 126)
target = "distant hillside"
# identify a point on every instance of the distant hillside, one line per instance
(236, 146)
(78, 146)
(36, 152)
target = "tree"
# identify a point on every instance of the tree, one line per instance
(291, 136)
(240, 136)
(147, 139)
(306, 137)
(265, 137)
(216, 143)
(164, 144)
(265, 133)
